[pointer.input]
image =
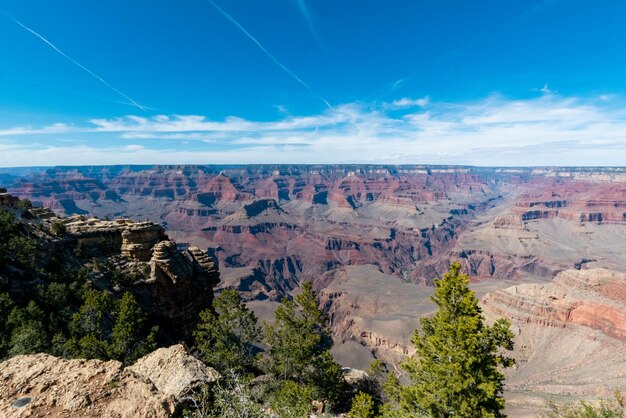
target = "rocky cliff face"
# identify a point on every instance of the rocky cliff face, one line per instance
(179, 283)
(45, 386)
(132, 240)
(578, 201)
(172, 285)
(592, 298)
(570, 335)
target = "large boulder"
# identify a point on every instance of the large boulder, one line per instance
(173, 371)
(43, 385)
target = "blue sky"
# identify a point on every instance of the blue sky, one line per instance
(312, 81)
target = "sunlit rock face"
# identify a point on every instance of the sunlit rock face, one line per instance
(271, 227)
(570, 335)
(43, 385)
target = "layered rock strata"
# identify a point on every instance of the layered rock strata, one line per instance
(133, 240)
(174, 284)
(570, 337)
(592, 298)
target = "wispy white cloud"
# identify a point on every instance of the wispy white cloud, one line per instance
(545, 89)
(546, 130)
(406, 102)
(56, 128)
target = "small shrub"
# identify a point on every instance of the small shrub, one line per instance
(229, 399)
(614, 408)
(79, 250)
(58, 228)
(24, 204)
(362, 406)
(293, 400)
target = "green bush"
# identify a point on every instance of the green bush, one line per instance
(362, 406)
(229, 398)
(227, 334)
(24, 204)
(614, 408)
(293, 400)
(58, 228)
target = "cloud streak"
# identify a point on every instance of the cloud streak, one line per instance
(546, 130)
(73, 61)
(304, 10)
(266, 52)
(407, 102)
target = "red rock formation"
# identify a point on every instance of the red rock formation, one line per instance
(592, 298)
(574, 200)
(407, 220)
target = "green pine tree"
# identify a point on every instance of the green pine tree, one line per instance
(6, 306)
(362, 406)
(456, 369)
(29, 335)
(88, 327)
(299, 347)
(127, 343)
(227, 335)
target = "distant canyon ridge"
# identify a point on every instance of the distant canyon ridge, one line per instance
(271, 227)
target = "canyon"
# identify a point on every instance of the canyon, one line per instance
(271, 227)
(534, 241)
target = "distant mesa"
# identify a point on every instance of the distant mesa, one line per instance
(260, 206)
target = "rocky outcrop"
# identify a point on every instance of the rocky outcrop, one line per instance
(173, 371)
(570, 336)
(6, 199)
(180, 285)
(172, 285)
(133, 240)
(592, 298)
(139, 239)
(45, 386)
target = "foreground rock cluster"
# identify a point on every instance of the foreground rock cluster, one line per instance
(43, 385)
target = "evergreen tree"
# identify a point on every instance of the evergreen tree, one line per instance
(6, 306)
(455, 371)
(292, 400)
(300, 345)
(88, 327)
(127, 344)
(227, 335)
(362, 406)
(28, 334)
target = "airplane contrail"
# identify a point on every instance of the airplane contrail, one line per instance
(307, 16)
(73, 61)
(266, 52)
